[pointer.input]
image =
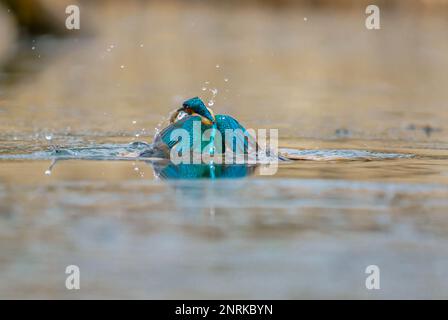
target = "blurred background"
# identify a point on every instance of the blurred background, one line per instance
(308, 68)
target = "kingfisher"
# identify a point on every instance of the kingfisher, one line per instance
(195, 113)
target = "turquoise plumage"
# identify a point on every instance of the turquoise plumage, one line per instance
(198, 113)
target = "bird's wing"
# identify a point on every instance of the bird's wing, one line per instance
(241, 141)
(185, 123)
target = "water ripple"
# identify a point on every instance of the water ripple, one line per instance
(117, 151)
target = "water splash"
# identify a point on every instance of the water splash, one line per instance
(94, 152)
(109, 151)
(50, 168)
(340, 154)
(214, 92)
(162, 123)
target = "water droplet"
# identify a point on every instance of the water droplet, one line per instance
(211, 103)
(137, 135)
(141, 46)
(217, 66)
(33, 47)
(122, 66)
(136, 169)
(48, 136)
(226, 79)
(134, 122)
(47, 172)
(204, 88)
(305, 19)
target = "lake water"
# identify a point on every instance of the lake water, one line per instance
(333, 89)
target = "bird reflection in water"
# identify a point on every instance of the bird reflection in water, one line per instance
(169, 170)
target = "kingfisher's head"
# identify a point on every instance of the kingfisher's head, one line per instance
(196, 106)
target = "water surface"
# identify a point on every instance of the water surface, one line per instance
(365, 113)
